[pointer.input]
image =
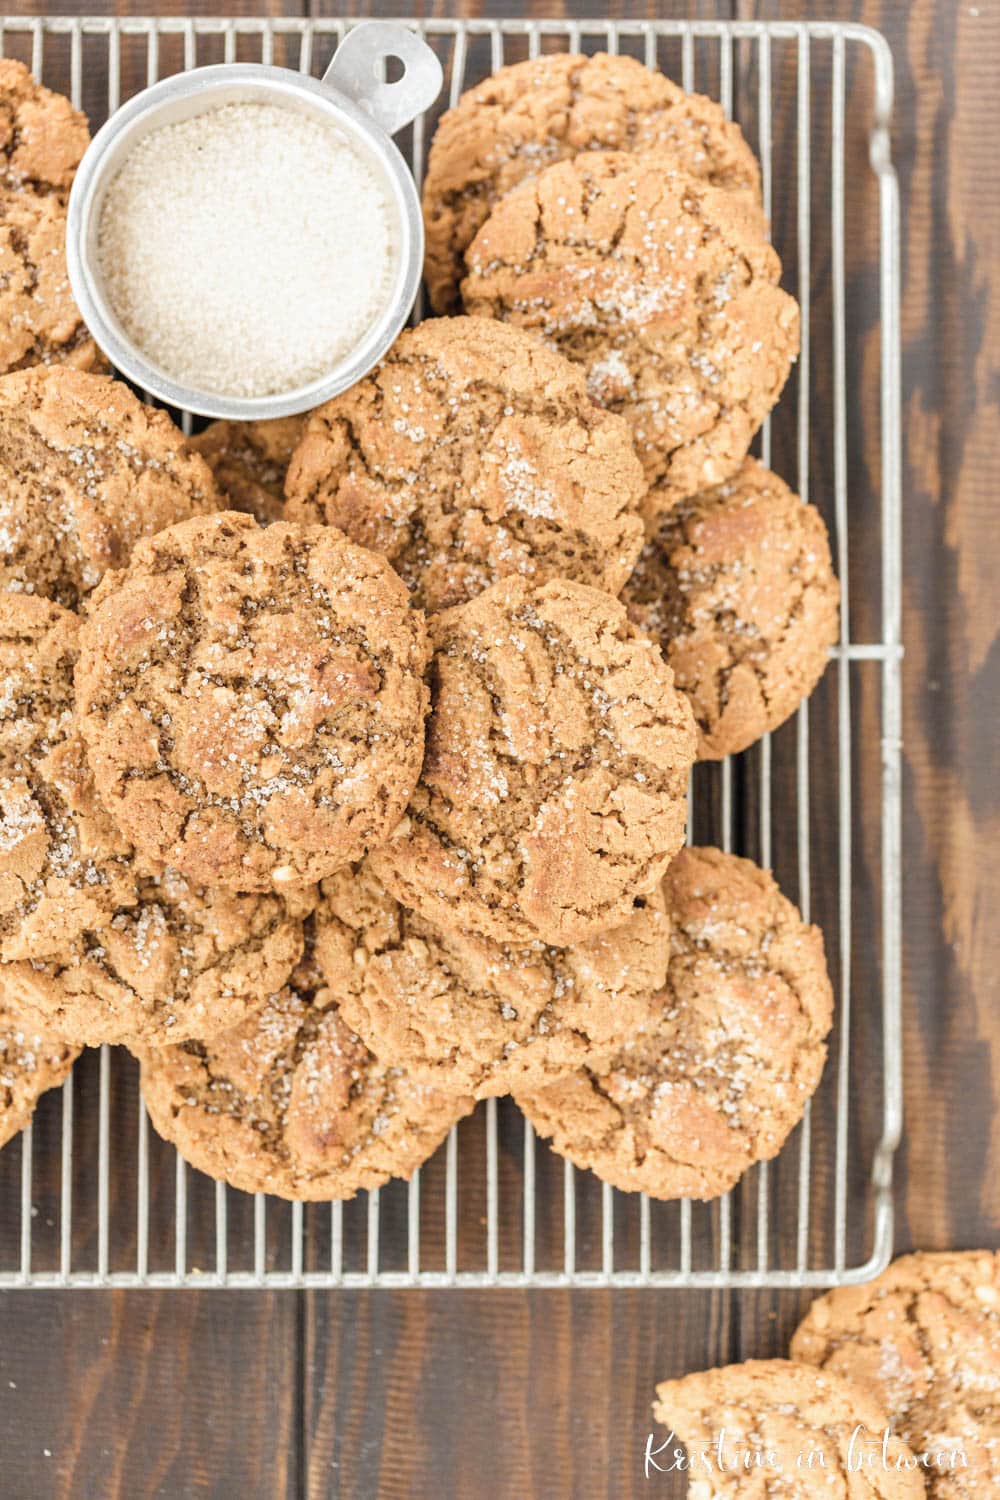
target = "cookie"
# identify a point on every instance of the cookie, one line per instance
(249, 461)
(468, 1015)
(252, 700)
(533, 113)
(42, 137)
(737, 586)
(64, 867)
(924, 1339)
(30, 1063)
(85, 471)
(474, 453)
(663, 288)
(40, 323)
(292, 1103)
(180, 962)
(723, 1074)
(554, 786)
(770, 1427)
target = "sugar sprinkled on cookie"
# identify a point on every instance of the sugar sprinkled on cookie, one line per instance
(85, 471)
(31, 1061)
(924, 1339)
(554, 787)
(723, 1073)
(663, 288)
(252, 700)
(737, 586)
(773, 1428)
(471, 454)
(64, 867)
(293, 1103)
(533, 113)
(470, 1015)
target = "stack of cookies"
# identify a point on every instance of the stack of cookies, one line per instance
(344, 759)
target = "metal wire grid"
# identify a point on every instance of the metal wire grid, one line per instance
(90, 1197)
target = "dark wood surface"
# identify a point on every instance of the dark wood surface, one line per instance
(514, 1394)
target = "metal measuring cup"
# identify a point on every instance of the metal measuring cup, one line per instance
(354, 96)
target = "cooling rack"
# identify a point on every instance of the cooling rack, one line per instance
(90, 1197)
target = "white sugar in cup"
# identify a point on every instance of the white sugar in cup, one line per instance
(246, 242)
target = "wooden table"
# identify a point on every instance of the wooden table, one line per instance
(547, 1394)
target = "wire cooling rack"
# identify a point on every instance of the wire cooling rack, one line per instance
(89, 1196)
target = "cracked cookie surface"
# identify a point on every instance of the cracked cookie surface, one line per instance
(249, 461)
(469, 1015)
(663, 288)
(85, 471)
(473, 453)
(737, 586)
(718, 1080)
(252, 700)
(554, 785)
(533, 113)
(39, 320)
(42, 137)
(293, 1103)
(924, 1339)
(178, 962)
(64, 867)
(31, 1062)
(784, 1412)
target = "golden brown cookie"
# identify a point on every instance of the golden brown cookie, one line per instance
(249, 461)
(533, 113)
(42, 137)
(472, 453)
(180, 962)
(292, 1103)
(39, 321)
(64, 867)
(722, 1075)
(85, 471)
(468, 1015)
(554, 786)
(252, 700)
(924, 1339)
(737, 586)
(772, 1428)
(30, 1063)
(663, 288)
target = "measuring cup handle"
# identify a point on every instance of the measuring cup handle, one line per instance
(356, 72)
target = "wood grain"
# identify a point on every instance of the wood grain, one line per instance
(546, 1395)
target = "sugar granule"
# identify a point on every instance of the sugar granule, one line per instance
(248, 249)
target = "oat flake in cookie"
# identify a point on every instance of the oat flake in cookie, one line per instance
(663, 288)
(473, 453)
(85, 471)
(554, 786)
(252, 700)
(64, 867)
(292, 1102)
(737, 586)
(723, 1074)
(924, 1339)
(533, 113)
(30, 1063)
(180, 962)
(776, 1407)
(474, 1016)
(249, 461)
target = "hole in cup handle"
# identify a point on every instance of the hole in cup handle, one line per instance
(356, 71)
